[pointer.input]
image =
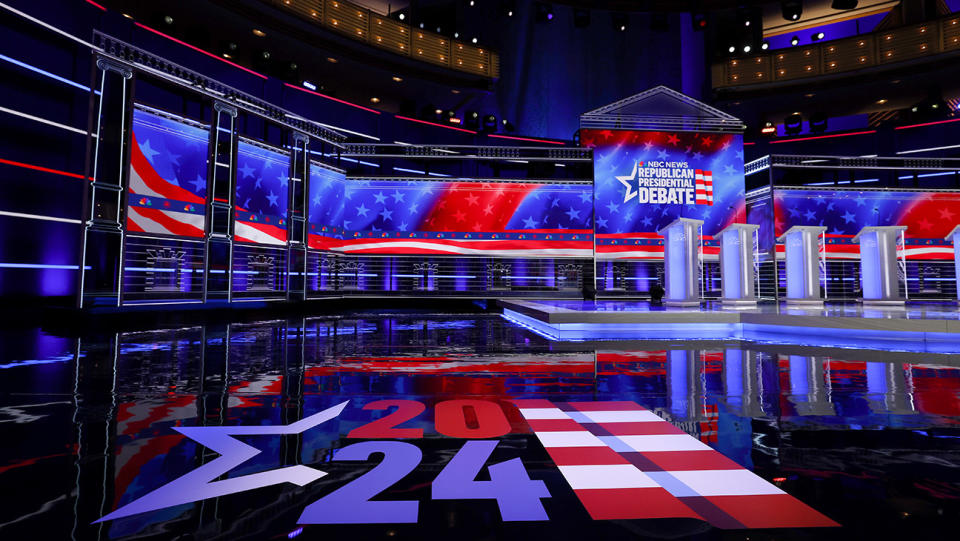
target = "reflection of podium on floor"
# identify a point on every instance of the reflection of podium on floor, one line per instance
(803, 264)
(681, 262)
(878, 264)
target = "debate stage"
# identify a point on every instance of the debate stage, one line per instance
(915, 327)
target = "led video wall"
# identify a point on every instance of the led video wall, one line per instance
(263, 179)
(443, 217)
(168, 176)
(644, 180)
(929, 217)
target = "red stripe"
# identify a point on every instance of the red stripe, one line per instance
(433, 124)
(530, 139)
(615, 405)
(633, 503)
(690, 460)
(771, 511)
(553, 425)
(585, 456)
(641, 429)
(308, 91)
(132, 226)
(170, 224)
(38, 168)
(199, 50)
(155, 182)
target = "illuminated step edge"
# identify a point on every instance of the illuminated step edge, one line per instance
(912, 335)
(624, 462)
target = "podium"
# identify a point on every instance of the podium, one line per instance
(954, 237)
(736, 265)
(803, 264)
(878, 264)
(680, 257)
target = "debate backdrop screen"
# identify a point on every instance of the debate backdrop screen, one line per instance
(643, 180)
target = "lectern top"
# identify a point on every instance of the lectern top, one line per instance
(680, 221)
(873, 228)
(801, 228)
(742, 227)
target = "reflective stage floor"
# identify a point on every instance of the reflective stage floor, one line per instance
(416, 426)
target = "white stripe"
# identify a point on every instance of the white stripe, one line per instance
(543, 413)
(246, 231)
(43, 121)
(606, 476)
(629, 254)
(145, 223)
(139, 187)
(38, 217)
(664, 442)
(572, 438)
(50, 27)
(622, 416)
(725, 482)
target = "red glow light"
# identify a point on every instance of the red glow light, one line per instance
(823, 137)
(199, 50)
(433, 124)
(338, 100)
(38, 168)
(927, 124)
(525, 139)
(96, 5)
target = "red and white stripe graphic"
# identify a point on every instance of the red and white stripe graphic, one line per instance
(704, 187)
(144, 180)
(501, 247)
(625, 462)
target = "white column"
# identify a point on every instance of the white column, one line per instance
(954, 237)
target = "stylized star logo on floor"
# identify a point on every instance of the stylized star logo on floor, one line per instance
(200, 485)
(627, 181)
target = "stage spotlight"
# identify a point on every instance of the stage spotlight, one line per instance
(402, 16)
(543, 12)
(474, 41)
(769, 129)
(746, 48)
(765, 45)
(793, 124)
(791, 9)
(456, 35)
(794, 40)
(473, 120)
(818, 123)
(581, 18)
(619, 22)
(507, 126)
(167, 19)
(817, 36)
(731, 49)
(508, 7)
(844, 4)
(489, 123)
(311, 86)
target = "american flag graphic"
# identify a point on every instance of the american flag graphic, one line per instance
(168, 177)
(462, 218)
(263, 178)
(929, 217)
(625, 462)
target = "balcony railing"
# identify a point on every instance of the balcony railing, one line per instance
(842, 55)
(382, 32)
